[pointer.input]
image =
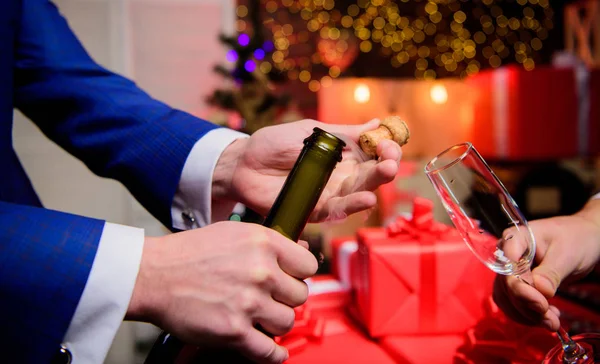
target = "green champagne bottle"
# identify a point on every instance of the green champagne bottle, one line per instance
(288, 215)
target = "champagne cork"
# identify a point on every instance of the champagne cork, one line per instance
(392, 128)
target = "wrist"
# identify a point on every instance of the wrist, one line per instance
(591, 211)
(222, 181)
(144, 302)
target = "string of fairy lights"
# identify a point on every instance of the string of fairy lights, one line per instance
(315, 40)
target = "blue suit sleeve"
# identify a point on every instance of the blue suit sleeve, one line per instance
(119, 132)
(103, 119)
(45, 260)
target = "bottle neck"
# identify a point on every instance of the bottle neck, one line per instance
(305, 184)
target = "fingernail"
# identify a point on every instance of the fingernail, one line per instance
(287, 354)
(373, 121)
(555, 310)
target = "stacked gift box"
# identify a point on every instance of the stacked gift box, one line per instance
(411, 292)
(544, 114)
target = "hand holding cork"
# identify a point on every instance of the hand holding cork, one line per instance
(392, 128)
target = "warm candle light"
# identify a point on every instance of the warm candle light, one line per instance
(439, 94)
(362, 94)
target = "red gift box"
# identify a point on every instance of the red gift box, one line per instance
(322, 333)
(438, 349)
(343, 248)
(349, 347)
(326, 294)
(417, 276)
(533, 115)
(326, 299)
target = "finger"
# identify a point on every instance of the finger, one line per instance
(389, 150)
(303, 244)
(276, 318)
(343, 206)
(377, 175)
(502, 299)
(526, 299)
(551, 321)
(522, 310)
(370, 176)
(290, 291)
(262, 349)
(293, 258)
(515, 242)
(555, 310)
(353, 131)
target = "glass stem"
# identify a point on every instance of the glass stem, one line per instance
(572, 351)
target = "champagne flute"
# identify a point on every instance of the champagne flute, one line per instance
(496, 231)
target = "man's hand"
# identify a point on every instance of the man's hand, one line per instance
(567, 248)
(252, 171)
(213, 285)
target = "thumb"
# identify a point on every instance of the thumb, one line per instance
(555, 266)
(353, 131)
(263, 349)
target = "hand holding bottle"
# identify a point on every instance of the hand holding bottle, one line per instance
(567, 248)
(253, 170)
(211, 286)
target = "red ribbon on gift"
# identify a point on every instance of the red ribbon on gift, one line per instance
(306, 329)
(421, 224)
(423, 228)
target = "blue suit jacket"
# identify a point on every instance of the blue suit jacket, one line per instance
(116, 129)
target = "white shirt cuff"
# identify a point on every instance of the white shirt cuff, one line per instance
(192, 202)
(106, 295)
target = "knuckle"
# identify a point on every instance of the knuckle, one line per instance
(298, 295)
(249, 301)
(236, 327)
(287, 322)
(303, 296)
(308, 265)
(259, 239)
(261, 275)
(554, 277)
(295, 295)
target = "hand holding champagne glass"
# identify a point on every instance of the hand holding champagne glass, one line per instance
(496, 231)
